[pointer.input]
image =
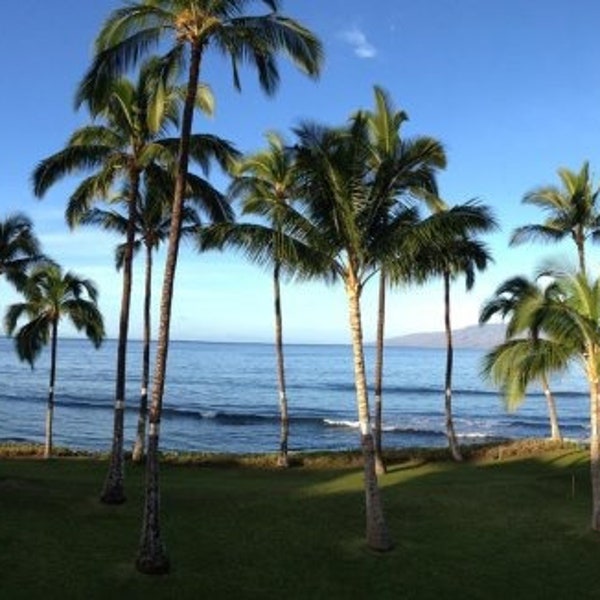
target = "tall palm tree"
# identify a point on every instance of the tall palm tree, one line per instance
(342, 203)
(507, 302)
(406, 168)
(265, 182)
(196, 26)
(569, 319)
(456, 251)
(152, 226)
(130, 139)
(19, 248)
(51, 295)
(572, 212)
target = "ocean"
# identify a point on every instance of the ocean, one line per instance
(222, 397)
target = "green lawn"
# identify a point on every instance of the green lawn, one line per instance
(515, 529)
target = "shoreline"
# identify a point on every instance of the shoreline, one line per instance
(496, 451)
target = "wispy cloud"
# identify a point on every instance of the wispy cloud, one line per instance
(359, 42)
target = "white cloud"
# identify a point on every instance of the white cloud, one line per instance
(358, 40)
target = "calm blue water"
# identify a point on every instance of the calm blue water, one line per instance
(222, 398)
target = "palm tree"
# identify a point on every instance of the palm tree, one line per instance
(572, 212)
(568, 319)
(19, 248)
(130, 140)
(456, 252)
(51, 295)
(152, 225)
(196, 26)
(265, 182)
(345, 210)
(507, 301)
(406, 168)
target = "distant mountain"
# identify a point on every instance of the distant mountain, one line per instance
(475, 336)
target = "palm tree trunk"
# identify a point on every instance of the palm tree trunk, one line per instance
(450, 433)
(594, 438)
(50, 407)
(113, 491)
(138, 449)
(580, 243)
(377, 533)
(379, 462)
(283, 460)
(554, 427)
(152, 557)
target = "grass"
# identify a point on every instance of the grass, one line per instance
(511, 528)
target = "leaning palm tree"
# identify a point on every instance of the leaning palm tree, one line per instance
(506, 302)
(568, 319)
(128, 141)
(195, 26)
(51, 295)
(572, 212)
(406, 168)
(453, 254)
(19, 248)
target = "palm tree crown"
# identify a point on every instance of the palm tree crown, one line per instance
(19, 248)
(572, 212)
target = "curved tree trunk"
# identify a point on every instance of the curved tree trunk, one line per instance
(138, 449)
(50, 406)
(379, 462)
(152, 557)
(552, 414)
(377, 533)
(450, 433)
(283, 460)
(113, 491)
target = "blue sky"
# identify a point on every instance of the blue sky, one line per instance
(511, 87)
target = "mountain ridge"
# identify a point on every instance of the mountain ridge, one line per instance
(474, 336)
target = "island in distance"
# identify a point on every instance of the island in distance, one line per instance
(475, 336)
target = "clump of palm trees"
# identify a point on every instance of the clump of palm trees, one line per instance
(554, 321)
(190, 31)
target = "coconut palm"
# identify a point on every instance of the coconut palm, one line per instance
(506, 302)
(196, 26)
(455, 253)
(19, 248)
(406, 168)
(568, 319)
(572, 212)
(130, 139)
(265, 182)
(342, 201)
(152, 225)
(50, 296)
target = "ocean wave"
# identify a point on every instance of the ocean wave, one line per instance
(386, 428)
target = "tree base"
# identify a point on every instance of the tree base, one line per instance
(113, 496)
(153, 564)
(283, 462)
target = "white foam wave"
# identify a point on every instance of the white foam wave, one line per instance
(209, 414)
(335, 423)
